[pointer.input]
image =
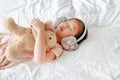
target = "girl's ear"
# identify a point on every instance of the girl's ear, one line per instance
(48, 26)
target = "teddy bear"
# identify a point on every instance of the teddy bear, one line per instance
(26, 39)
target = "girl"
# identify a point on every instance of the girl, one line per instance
(71, 27)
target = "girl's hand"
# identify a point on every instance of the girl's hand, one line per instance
(37, 24)
(34, 32)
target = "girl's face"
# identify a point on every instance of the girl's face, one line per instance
(68, 28)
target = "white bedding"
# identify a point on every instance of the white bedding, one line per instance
(98, 57)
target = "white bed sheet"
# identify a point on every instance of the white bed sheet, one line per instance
(98, 57)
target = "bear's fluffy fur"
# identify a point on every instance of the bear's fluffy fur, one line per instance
(25, 40)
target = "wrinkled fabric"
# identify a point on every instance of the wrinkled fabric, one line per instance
(97, 58)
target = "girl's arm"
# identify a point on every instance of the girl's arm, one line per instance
(39, 48)
(40, 53)
(53, 54)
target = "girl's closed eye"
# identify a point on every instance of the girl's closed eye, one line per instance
(68, 26)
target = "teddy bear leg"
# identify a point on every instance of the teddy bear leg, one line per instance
(13, 50)
(17, 52)
(11, 53)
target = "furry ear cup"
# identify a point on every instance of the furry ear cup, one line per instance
(69, 43)
(59, 20)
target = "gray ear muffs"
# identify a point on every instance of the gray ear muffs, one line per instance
(70, 43)
(58, 21)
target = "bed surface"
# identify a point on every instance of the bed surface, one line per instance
(98, 57)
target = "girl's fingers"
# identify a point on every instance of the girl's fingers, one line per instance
(33, 23)
(3, 58)
(35, 20)
(34, 32)
(37, 24)
(10, 64)
(5, 62)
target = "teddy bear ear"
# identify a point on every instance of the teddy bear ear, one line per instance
(48, 23)
(48, 26)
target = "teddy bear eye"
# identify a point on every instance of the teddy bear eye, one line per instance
(50, 38)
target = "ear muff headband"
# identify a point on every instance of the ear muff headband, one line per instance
(58, 21)
(83, 35)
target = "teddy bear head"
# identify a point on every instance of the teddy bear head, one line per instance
(50, 39)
